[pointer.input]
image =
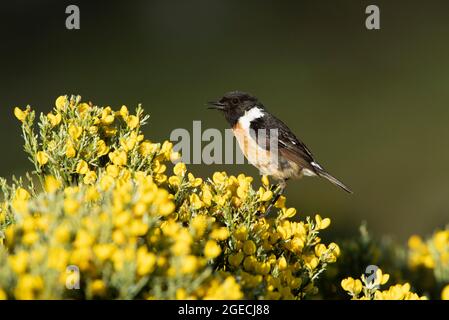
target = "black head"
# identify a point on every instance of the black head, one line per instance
(234, 104)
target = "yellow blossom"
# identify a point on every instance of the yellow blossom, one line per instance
(54, 119)
(220, 234)
(90, 177)
(102, 148)
(98, 287)
(75, 131)
(211, 249)
(445, 293)
(146, 261)
(236, 259)
(322, 223)
(132, 121)
(51, 184)
(61, 102)
(71, 206)
(189, 264)
(266, 196)
(194, 182)
(195, 201)
(249, 247)
(351, 285)
(41, 158)
(265, 181)
(70, 150)
(19, 262)
(241, 233)
(118, 158)
(82, 167)
(219, 178)
(20, 114)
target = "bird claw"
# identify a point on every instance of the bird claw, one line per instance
(278, 190)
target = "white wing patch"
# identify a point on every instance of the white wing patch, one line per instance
(249, 116)
(316, 165)
(308, 172)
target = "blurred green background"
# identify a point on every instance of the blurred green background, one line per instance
(372, 105)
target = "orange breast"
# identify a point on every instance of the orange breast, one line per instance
(257, 156)
(262, 159)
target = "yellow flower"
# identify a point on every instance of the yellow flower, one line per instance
(118, 158)
(83, 107)
(20, 114)
(189, 264)
(195, 201)
(106, 182)
(146, 261)
(70, 151)
(236, 259)
(54, 119)
(107, 118)
(102, 148)
(21, 194)
(220, 234)
(75, 131)
(62, 233)
(415, 242)
(194, 182)
(41, 158)
(174, 181)
(19, 262)
(90, 177)
(445, 293)
(322, 223)
(61, 102)
(265, 181)
(288, 213)
(228, 290)
(180, 169)
(441, 240)
(123, 112)
(199, 225)
(352, 286)
(249, 247)
(146, 148)
(206, 196)
(3, 295)
(280, 203)
(219, 178)
(212, 249)
(381, 278)
(132, 122)
(241, 233)
(51, 184)
(282, 263)
(71, 206)
(266, 196)
(113, 170)
(97, 287)
(82, 167)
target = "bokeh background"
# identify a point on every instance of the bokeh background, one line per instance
(372, 105)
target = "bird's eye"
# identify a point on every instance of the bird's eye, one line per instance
(235, 101)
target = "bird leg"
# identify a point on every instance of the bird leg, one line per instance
(278, 191)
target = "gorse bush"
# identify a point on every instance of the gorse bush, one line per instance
(107, 206)
(104, 214)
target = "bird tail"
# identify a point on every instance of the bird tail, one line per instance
(322, 173)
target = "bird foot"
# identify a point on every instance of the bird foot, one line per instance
(277, 190)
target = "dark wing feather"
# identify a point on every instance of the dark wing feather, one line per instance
(289, 145)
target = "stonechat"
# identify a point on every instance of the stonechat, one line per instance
(255, 130)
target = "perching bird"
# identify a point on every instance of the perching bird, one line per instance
(253, 126)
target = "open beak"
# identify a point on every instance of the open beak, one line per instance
(216, 105)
